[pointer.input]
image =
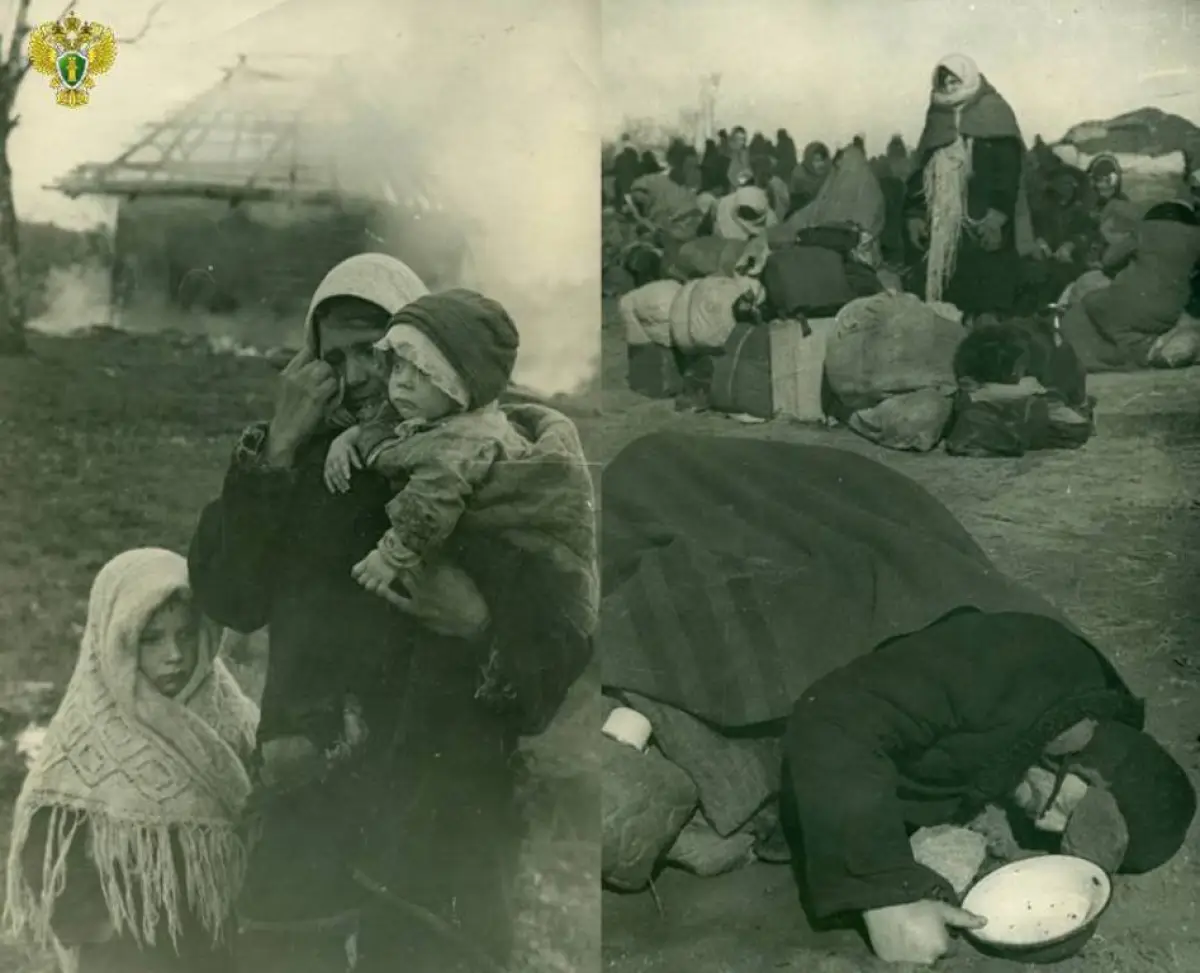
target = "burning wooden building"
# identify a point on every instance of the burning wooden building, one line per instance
(238, 203)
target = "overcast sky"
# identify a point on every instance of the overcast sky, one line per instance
(830, 68)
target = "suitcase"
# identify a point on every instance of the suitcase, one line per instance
(773, 370)
(653, 371)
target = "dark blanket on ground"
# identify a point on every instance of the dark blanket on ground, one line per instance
(737, 572)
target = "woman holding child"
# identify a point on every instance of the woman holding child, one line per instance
(398, 682)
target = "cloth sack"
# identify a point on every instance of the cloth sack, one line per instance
(1179, 347)
(889, 344)
(910, 422)
(702, 316)
(646, 802)
(646, 312)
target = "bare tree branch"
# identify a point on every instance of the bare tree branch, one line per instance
(150, 16)
(21, 29)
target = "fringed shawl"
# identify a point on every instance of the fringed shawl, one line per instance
(157, 782)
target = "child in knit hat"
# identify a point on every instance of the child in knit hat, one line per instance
(449, 357)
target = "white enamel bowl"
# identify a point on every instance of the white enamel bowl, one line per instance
(1040, 910)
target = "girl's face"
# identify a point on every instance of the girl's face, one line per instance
(819, 163)
(413, 394)
(169, 646)
(737, 140)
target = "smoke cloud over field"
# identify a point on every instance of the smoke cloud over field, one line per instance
(488, 111)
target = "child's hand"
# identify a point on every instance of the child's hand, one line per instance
(375, 574)
(341, 461)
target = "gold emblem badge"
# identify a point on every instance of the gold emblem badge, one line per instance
(72, 53)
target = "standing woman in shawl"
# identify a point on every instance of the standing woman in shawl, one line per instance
(963, 193)
(126, 847)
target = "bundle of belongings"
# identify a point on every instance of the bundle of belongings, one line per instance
(905, 375)
(667, 322)
(889, 370)
(710, 256)
(812, 265)
(863, 555)
(1021, 388)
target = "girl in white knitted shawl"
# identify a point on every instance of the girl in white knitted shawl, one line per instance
(126, 850)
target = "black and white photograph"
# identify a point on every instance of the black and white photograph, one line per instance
(898, 638)
(299, 364)
(652, 486)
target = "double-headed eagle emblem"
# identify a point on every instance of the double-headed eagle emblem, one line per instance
(71, 53)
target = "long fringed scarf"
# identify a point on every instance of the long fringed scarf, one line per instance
(157, 784)
(946, 177)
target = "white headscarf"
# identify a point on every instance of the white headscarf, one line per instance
(963, 68)
(147, 775)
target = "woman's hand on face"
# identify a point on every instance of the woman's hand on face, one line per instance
(306, 388)
(917, 932)
(444, 599)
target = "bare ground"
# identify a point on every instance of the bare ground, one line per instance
(116, 441)
(1111, 533)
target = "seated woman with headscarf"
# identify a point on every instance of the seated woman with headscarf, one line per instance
(127, 846)
(1113, 328)
(766, 179)
(667, 205)
(963, 193)
(850, 196)
(810, 175)
(737, 157)
(744, 214)
(1068, 238)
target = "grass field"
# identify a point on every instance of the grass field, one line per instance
(1111, 533)
(115, 441)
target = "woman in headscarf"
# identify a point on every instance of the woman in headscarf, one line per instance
(785, 155)
(126, 841)
(1113, 328)
(627, 167)
(738, 158)
(411, 842)
(766, 179)
(715, 170)
(744, 214)
(850, 196)
(963, 193)
(810, 175)
(668, 206)
(1105, 179)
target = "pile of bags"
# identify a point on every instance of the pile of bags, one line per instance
(904, 375)
(666, 320)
